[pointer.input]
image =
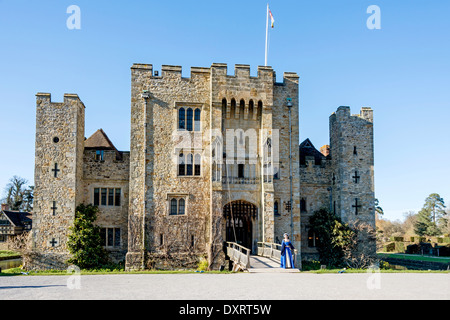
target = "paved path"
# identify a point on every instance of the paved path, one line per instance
(262, 264)
(245, 286)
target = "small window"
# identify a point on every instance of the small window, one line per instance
(355, 152)
(181, 165)
(197, 168)
(99, 155)
(117, 237)
(181, 119)
(104, 191)
(312, 239)
(189, 119)
(189, 165)
(117, 199)
(241, 168)
(161, 239)
(303, 205)
(181, 207)
(111, 237)
(174, 207)
(110, 197)
(55, 140)
(96, 196)
(276, 209)
(197, 119)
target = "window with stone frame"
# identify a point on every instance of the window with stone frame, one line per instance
(107, 197)
(111, 237)
(177, 205)
(189, 164)
(189, 119)
(276, 207)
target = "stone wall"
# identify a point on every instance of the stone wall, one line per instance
(315, 181)
(352, 154)
(59, 141)
(112, 172)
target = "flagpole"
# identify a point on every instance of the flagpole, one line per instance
(267, 32)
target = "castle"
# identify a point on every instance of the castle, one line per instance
(213, 158)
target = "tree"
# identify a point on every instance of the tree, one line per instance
(431, 217)
(18, 197)
(379, 210)
(85, 243)
(331, 235)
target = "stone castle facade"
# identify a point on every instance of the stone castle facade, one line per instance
(211, 160)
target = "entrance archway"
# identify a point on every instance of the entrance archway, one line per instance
(239, 226)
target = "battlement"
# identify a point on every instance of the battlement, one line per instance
(47, 98)
(241, 71)
(343, 114)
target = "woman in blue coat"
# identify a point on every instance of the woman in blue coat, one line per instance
(287, 261)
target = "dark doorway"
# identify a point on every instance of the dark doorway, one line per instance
(239, 227)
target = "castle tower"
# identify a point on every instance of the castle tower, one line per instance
(352, 156)
(192, 185)
(58, 176)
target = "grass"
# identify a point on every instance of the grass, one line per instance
(414, 257)
(20, 272)
(6, 254)
(328, 271)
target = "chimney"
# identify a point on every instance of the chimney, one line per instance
(325, 150)
(5, 207)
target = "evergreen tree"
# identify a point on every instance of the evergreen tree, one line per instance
(332, 237)
(85, 243)
(431, 217)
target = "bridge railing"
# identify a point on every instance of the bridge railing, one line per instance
(270, 250)
(239, 255)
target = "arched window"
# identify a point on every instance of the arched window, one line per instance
(251, 107)
(173, 207)
(181, 207)
(242, 108)
(197, 163)
(275, 208)
(181, 119)
(197, 117)
(189, 118)
(233, 108)
(260, 108)
(189, 164)
(303, 205)
(181, 165)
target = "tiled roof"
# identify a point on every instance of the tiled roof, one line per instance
(18, 218)
(99, 140)
(307, 149)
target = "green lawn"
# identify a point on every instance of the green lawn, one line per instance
(19, 271)
(414, 257)
(8, 254)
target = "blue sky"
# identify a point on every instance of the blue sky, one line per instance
(402, 71)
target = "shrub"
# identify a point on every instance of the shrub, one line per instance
(309, 265)
(85, 243)
(203, 264)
